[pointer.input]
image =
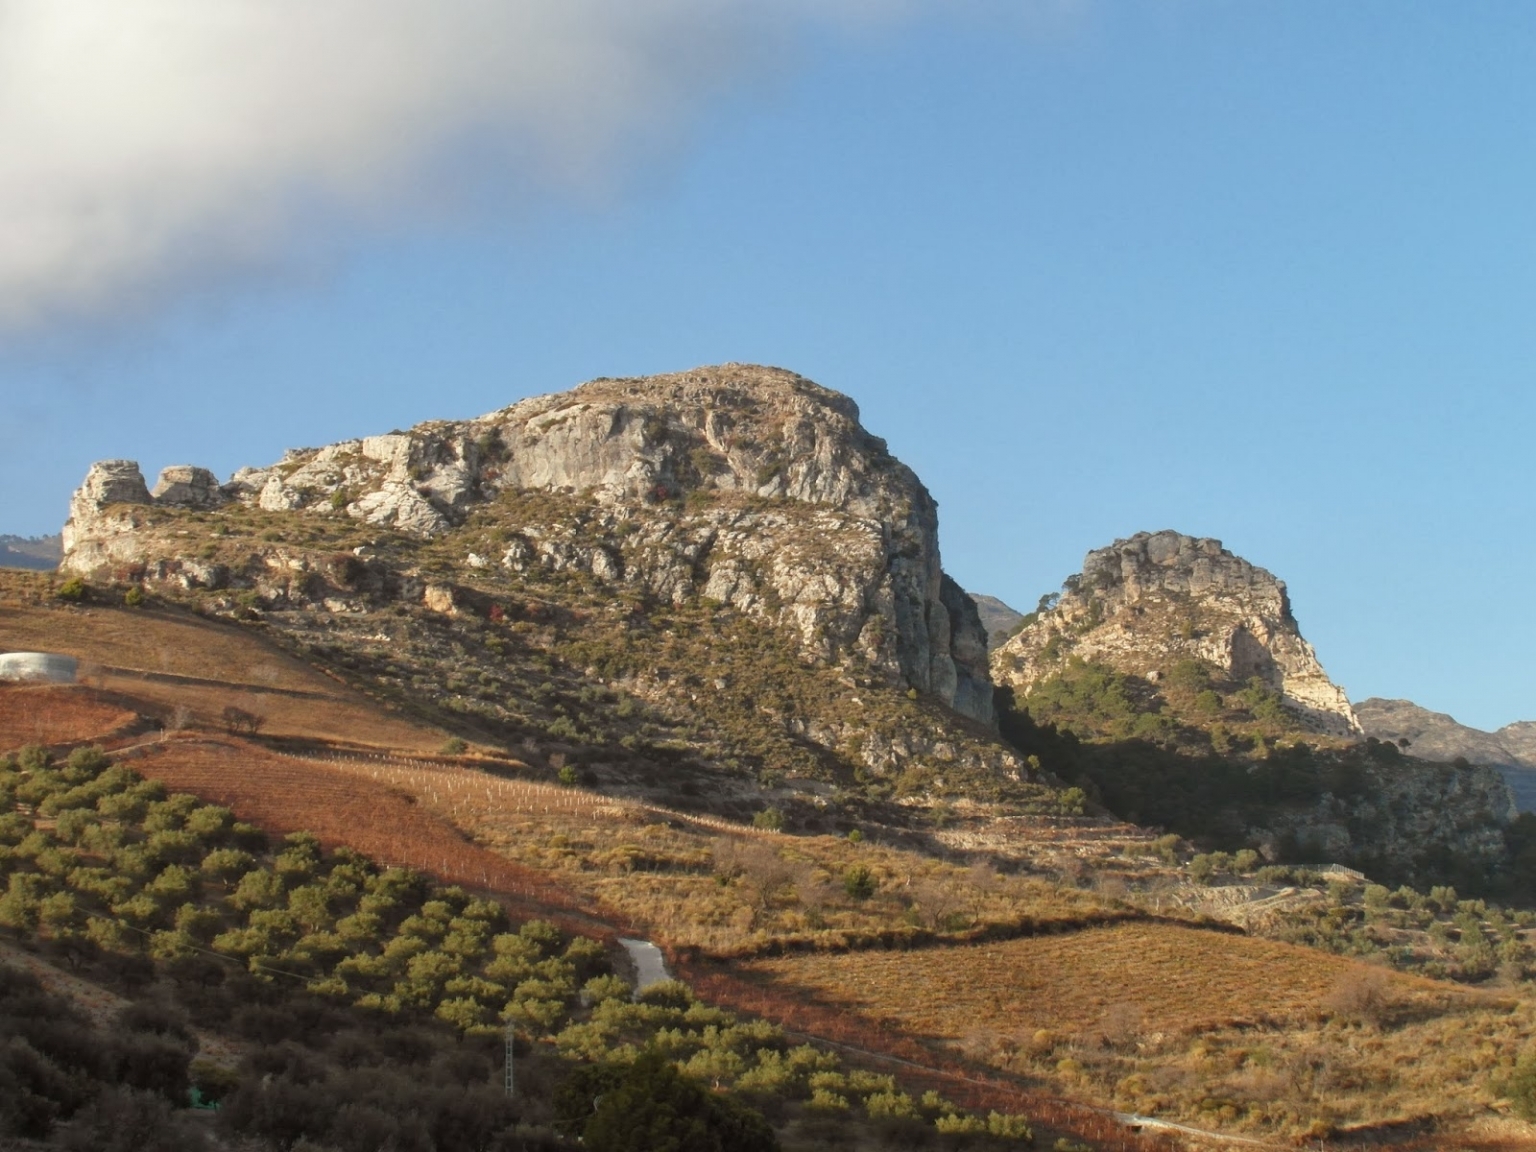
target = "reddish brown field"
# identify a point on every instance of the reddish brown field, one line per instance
(54, 714)
(156, 640)
(919, 1066)
(169, 660)
(285, 794)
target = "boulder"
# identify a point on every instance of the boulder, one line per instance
(188, 486)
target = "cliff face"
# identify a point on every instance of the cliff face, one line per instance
(744, 485)
(1143, 604)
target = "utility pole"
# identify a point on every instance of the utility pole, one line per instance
(508, 1075)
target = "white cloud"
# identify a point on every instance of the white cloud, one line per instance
(144, 143)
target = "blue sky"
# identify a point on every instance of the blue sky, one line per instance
(1260, 271)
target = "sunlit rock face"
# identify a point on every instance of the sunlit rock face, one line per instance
(1142, 604)
(747, 485)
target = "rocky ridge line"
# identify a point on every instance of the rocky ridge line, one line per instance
(785, 508)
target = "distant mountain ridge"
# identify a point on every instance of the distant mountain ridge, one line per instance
(1439, 736)
(39, 552)
(997, 618)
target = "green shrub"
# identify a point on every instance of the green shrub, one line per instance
(1519, 1085)
(769, 818)
(859, 882)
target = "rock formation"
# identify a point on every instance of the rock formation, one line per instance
(745, 485)
(1143, 604)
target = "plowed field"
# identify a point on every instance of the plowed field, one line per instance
(56, 715)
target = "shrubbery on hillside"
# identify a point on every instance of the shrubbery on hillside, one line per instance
(1220, 798)
(373, 1000)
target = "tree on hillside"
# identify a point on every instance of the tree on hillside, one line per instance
(655, 1108)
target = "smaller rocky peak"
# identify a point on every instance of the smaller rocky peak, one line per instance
(1145, 604)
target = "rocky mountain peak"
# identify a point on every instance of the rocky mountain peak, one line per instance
(746, 485)
(1147, 602)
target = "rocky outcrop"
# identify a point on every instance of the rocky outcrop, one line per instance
(746, 485)
(188, 486)
(104, 519)
(1143, 604)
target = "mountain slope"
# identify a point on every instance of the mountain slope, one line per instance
(997, 618)
(713, 587)
(1438, 736)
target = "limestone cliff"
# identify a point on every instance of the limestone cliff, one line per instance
(744, 485)
(1142, 605)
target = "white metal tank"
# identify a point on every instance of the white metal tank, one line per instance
(46, 667)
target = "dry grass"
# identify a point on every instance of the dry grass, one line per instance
(734, 891)
(1163, 977)
(1219, 1031)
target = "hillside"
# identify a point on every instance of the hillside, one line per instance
(1437, 736)
(676, 659)
(1018, 918)
(1170, 680)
